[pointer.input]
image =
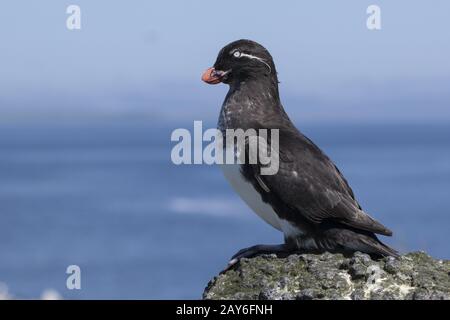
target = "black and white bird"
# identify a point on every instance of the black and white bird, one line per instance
(308, 199)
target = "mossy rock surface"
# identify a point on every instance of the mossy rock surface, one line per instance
(333, 276)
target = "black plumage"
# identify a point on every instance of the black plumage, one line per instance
(308, 192)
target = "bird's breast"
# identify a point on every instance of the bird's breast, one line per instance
(250, 195)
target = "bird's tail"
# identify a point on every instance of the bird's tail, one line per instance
(375, 246)
(355, 240)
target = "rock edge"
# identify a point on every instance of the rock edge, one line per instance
(414, 275)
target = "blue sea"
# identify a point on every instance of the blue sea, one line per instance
(107, 198)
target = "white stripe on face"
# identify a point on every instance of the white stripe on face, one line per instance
(257, 58)
(250, 56)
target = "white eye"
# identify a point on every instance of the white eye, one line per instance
(237, 54)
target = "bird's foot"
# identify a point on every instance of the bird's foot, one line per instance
(281, 250)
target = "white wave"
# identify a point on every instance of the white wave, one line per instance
(4, 292)
(212, 206)
(48, 294)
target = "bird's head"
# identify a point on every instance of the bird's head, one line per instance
(240, 61)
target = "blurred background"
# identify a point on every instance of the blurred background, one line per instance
(86, 117)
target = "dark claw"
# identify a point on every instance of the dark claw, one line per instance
(281, 250)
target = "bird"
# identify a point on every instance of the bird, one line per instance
(308, 199)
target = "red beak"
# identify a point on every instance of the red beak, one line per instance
(213, 76)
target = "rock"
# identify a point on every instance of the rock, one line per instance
(333, 276)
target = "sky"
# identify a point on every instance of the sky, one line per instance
(143, 59)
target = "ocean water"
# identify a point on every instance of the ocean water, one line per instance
(107, 198)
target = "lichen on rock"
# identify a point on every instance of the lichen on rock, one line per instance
(333, 276)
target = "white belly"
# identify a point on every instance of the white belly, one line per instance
(248, 193)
